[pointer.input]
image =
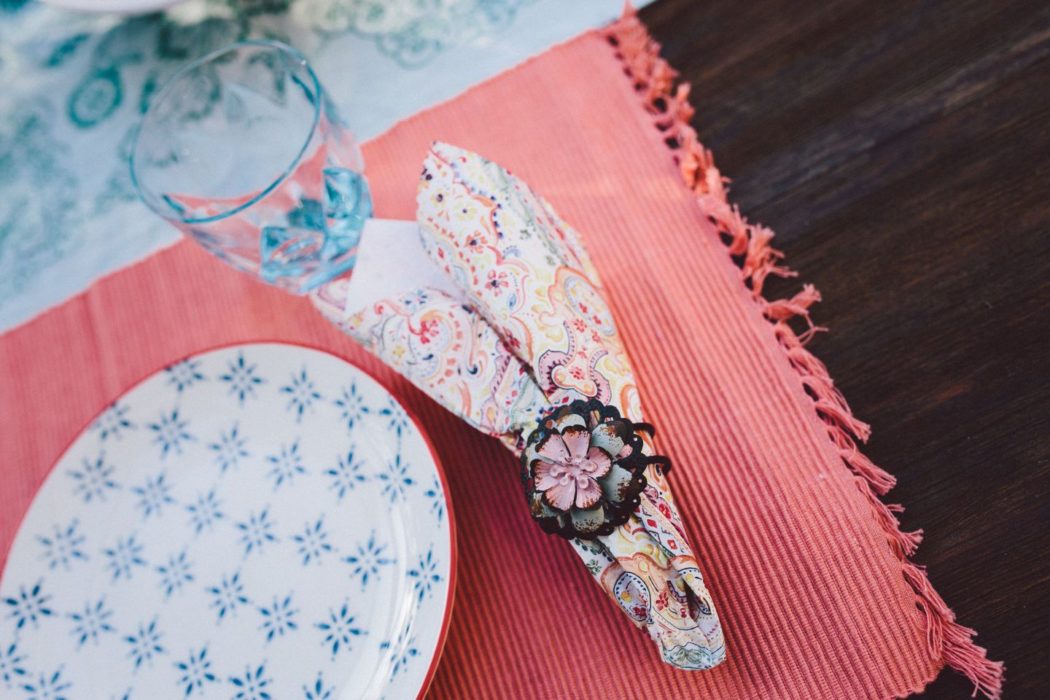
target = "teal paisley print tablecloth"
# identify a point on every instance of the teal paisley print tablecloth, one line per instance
(73, 86)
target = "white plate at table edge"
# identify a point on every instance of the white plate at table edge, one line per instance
(87, 425)
(121, 7)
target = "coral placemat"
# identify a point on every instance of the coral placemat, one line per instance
(808, 569)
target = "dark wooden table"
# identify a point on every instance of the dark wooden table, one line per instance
(901, 150)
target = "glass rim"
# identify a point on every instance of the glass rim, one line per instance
(146, 196)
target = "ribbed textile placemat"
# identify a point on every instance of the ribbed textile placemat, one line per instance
(810, 574)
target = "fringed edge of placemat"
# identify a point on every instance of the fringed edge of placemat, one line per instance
(749, 245)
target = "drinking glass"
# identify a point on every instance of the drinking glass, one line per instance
(243, 151)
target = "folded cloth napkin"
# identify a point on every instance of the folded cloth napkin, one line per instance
(508, 329)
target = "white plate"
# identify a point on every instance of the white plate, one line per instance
(257, 522)
(127, 7)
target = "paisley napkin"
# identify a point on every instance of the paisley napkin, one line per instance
(497, 313)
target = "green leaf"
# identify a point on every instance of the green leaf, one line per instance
(539, 507)
(588, 521)
(616, 483)
(607, 437)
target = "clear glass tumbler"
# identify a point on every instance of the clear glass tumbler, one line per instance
(243, 151)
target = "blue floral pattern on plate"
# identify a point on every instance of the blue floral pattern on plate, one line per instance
(223, 530)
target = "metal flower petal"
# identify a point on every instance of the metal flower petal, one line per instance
(583, 469)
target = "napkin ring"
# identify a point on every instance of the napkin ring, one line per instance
(584, 469)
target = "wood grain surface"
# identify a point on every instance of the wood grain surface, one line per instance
(901, 151)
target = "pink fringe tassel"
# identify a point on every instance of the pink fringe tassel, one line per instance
(654, 80)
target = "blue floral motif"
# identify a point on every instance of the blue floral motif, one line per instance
(229, 449)
(29, 606)
(47, 687)
(175, 573)
(312, 542)
(170, 433)
(153, 495)
(92, 622)
(65, 48)
(228, 595)
(204, 512)
(339, 629)
(318, 690)
(145, 643)
(252, 685)
(38, 186)
(351, 404)
(368, 560)
(242, 379)
(425, 576)
(123, 557)
(395, 479)
(94, 480)
(63, 547)
(402, 651)
(437, 499)
(12, 669)
(113, 422)
(256, 531)
(195, 672)
(96, 98)
(396, 418)
(301, 394)
(346, 476)
(286, 465)
(278, 618)
(414, 33)
(183, 375)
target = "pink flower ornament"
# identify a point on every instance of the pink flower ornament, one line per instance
(583, 469)
(569, 468)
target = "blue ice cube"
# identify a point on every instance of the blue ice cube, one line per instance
(348, 204)
(288, 252)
